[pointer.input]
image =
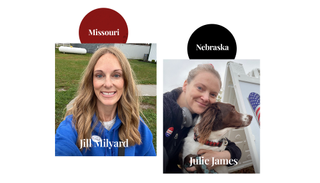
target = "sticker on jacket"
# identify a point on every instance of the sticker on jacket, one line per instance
(96, 138)
(169, 131)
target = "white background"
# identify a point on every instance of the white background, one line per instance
(284, 35)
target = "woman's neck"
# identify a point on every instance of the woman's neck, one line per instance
(106, 113)
(181, 100)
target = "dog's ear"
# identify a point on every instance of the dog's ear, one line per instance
(204, 128)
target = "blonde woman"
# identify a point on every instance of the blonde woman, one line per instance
(104, 119)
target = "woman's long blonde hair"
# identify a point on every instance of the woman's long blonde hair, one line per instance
(84, 106)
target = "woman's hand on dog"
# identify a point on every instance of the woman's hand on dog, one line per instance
(208, 157)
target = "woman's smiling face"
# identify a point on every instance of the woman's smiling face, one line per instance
(108, 80)
(201, 91)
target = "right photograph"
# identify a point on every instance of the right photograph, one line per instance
(211, 116)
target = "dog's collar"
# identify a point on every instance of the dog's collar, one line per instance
(210, 143)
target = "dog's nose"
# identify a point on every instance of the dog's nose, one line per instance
(247, 119)
(244, 117)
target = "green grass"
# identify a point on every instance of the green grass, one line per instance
(145, 72)
(150, 116)
(68, 70)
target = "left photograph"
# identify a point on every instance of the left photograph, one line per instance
(105, 99)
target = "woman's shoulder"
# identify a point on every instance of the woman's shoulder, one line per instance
(67, 121)
(142, 124)
(146, 147)
(172, 95)
(66, 138)
(66, 126)
(172, 112)
(144, 129)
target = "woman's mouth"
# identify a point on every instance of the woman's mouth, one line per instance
(202, 104)
(108, 93)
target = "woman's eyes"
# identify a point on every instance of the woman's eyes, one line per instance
(117, 75)
(99, 75)
(114, 75)
(201, 89)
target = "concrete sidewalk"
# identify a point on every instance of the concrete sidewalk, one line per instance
(145, 90)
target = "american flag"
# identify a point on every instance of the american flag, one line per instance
(254, 100)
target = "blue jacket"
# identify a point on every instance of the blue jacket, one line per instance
(107, 144)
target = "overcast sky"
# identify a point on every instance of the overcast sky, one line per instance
(175, 72)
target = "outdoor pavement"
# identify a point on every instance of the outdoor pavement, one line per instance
(145, 90)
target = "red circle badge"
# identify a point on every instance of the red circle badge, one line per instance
(169, 131)
(103, 25)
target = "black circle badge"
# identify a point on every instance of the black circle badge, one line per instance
(212, 41)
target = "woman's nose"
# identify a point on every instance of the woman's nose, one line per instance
(108, 82)
(205, 97)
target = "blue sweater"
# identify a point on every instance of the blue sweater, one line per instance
(103, 141)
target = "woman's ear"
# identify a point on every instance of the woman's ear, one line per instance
(184, 87)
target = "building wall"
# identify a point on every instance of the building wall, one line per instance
(91, 48)
(153, 52)
(132, 51)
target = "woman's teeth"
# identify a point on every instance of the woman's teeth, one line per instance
(108, 93)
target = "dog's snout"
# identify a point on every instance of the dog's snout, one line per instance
(246, 119)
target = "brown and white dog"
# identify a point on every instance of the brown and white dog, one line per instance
(208, 133)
